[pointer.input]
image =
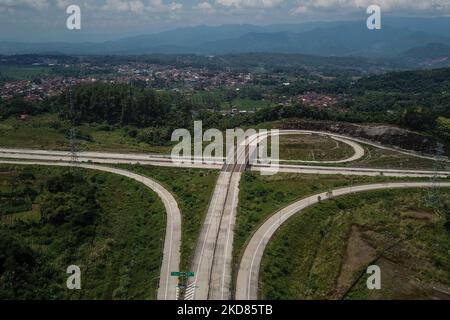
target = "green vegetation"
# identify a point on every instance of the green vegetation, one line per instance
(387, 159)
(192, 188)
(261, 196)
(112, 227)
(323, 252)
(417, 100)
(10, 72)
(48, 131)
(247, 104)
(122, 104)
(412, 99)
(148, 117)
(443, 127)
(313, 148)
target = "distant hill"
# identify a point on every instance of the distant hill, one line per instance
(349, 39)
(339, 38)
(432, 54)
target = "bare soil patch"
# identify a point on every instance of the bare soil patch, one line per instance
(358, 254)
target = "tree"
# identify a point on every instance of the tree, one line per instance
(443, 127)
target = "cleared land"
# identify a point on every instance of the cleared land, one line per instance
(323, 253)
(119, 251)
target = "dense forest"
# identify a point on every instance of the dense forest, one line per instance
(244, 61)
(51, 218)
(68, 207)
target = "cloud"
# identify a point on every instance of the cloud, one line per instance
(124, 5)
(33, 4)
(250, 3)
(63, 4)
(160, 6)
(304, 6)
(140, 6)
(205, 7)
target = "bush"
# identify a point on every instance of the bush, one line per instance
(14, 255)
(79, 135)
(104, 127)
(71, 200)
(154, 136)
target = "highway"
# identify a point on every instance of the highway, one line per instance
(212, 262)
(221, 272)
(214, 282)
(212, 259)
(214, 164)
(248, 272)
(352, 171)
(171, 253)
(111, 158)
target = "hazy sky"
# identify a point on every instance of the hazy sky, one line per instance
(44, 20)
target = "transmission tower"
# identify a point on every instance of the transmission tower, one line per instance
(433, 196)
(73, 132)
(72, 115)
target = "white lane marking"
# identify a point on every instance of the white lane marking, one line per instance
(218, 185)
(228, 237)
(190, 292)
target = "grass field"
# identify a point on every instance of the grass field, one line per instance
(193, 189)
(247, 104)
(379, 158)
(49, 132)
(324, 252)
(121, 261)
(313, 148)
(23, 72)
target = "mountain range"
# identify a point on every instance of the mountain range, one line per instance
(399, 36)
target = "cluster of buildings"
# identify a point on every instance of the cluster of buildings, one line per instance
(155, 76)
(40, 89)
(187, 77)
(315, 100)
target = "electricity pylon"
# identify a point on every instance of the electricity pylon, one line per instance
(433, 196)
(72, 133)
